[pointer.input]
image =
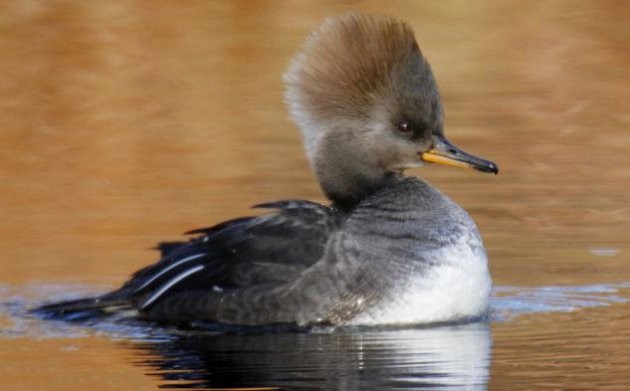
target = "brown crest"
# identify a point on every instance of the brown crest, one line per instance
(347, 63)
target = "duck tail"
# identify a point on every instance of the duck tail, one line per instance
(84, 309)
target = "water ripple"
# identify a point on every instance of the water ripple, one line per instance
(447, 357)
(510, 301)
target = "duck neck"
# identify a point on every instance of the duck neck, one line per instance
(347, 177)
(346, 200)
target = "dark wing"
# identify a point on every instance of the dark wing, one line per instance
(267, 250)
(249, 252)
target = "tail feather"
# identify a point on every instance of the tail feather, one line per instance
(83, 309)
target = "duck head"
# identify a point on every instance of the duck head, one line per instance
(368, 106)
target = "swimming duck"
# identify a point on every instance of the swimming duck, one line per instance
(389, 249)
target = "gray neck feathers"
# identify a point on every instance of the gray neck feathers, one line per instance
(347, 175)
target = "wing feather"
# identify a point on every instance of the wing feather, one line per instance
(266, 250)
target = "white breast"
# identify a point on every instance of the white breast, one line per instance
(456, 288)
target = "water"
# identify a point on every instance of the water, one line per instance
(125, 124)
(446, 357)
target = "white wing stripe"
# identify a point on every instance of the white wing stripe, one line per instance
(170, 284)
(170, 267)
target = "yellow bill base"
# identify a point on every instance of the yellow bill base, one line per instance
(434, 158)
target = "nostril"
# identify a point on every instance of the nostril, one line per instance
(452, 151)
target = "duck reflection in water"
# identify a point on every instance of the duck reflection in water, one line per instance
(449, 357)
(390, 250)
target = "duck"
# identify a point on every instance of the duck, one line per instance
(388, 249)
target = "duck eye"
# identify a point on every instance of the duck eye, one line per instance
(404, 127)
